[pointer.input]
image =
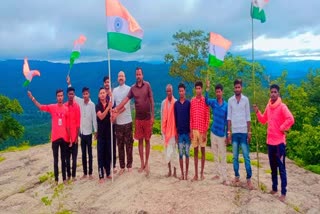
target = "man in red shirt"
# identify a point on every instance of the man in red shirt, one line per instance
(59, 133)
(199, 123)
(74, 125)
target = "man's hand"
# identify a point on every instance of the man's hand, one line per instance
(68, 80)
(95, 135)
(76, 140)
(229, 138)
(255, 108)
(249, 137)
(30, 95)
(204, 137)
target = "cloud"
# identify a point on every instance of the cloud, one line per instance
(45, 30)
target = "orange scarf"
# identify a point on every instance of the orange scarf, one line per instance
(275, 104)
(168, 121)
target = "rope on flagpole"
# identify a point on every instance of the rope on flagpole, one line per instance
(254, 96)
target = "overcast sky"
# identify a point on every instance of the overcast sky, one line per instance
(45, 30)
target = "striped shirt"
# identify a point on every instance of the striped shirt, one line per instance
(199, 115)
(219, 116)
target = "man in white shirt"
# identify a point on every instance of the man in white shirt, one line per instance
(88, 126)
(123, 122)
(239, 121)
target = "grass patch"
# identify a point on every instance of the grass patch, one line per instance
(22, 147)
(46, 201)
(64, 212)
(263, 187)
(157, 148)
(2, 159)
(255, 163)
(267, 171)
(22, 190)
(135, 144)
(94, 143)
(45, 177)
(313, 168)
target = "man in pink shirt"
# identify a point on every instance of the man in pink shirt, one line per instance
(279, 119)
(199, 124)
(74, 125)
(59, 133)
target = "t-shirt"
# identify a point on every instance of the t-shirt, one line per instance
(142, 99)
(74, 119)
(59, 122)
(103, 125)
(182, 116)
(119, 93)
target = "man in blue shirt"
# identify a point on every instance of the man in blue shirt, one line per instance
(218, 132)
(182, 118)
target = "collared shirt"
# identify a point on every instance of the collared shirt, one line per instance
(60, 121)
(199, 115)
(142, 100)
(88, 119)
(182, 116)
(119, 93)
(74, 120)
(239, 114)
(219, 116)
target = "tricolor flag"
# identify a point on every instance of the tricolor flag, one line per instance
(123, 31)
(75, 54)
(257, 11)
(218, 47)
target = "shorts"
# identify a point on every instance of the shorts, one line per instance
(143, 129)
(197, 139)
(184, 145)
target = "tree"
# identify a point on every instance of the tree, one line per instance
(9, 126)
(190, 57)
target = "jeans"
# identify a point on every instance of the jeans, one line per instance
(104, 156)
(240, 139)
(55, 150)
(184, 145)
(86, 144)
(71, 152)
(277, 155)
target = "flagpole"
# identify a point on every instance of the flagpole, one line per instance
(254, 95)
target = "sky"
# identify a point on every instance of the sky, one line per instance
(45, 30)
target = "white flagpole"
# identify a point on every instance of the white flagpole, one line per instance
(254, 95)
(109, 73)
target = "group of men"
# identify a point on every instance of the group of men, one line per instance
(186, 123)
(183, 123)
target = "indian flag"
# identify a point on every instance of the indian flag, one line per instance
(257, 11)
(218, 47)
(123, 31)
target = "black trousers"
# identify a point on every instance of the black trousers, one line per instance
(72, 152)
(114, 145)
(86, 145)
(55, 150)
(104, 156)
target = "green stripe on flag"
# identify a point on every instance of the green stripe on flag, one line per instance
(214, 61)
(123, 42)
(257, 14)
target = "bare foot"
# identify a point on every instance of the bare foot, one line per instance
(109, 177)
(195, 178)
(141, 170)
(129, 169)
(147, 170)
(282, 198)
(216, 177)
(225, 183)
(83, 177)
(186, 177)
(121, 171)
(91, 177)
(272, 192)
(236, 181)
(202, 177)
(168, 175)
(249, 185)
(74, 179)
(101, 180)
(175, 174)
(181, 178)
(115, 170)
(65, 182)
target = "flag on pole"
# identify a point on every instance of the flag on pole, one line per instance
(218, 47)
(257, 11)
(123, 31)
(75, 54)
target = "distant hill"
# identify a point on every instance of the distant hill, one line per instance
(53, 76)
